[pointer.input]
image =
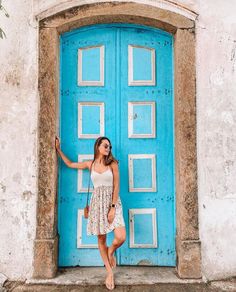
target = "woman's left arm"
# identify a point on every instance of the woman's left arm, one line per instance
(116, 182)
(115, 194)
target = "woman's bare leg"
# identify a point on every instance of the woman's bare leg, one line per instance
(103, 251)
(120, 236)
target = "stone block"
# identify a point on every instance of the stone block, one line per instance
(45, 258)
(189, 259)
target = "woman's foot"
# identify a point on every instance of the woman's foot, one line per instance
(109, 282)
(111, 258)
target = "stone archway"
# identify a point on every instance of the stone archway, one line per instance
(183, 29)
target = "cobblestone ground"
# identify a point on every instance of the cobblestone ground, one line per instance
(216, 286)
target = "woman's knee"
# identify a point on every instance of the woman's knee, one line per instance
(120, 238)
(102, 239)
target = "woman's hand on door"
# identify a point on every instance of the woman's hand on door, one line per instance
(63, 156)
(57, 143)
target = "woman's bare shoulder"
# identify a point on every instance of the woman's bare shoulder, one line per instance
(89, 163)
(114, 165)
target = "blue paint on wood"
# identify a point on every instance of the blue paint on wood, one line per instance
(115, 94)
(142, 169)
(91, 64)
(142, 64)
(142, 122)
(91, 118)
(143, 232)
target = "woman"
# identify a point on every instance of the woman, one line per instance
(105, 212)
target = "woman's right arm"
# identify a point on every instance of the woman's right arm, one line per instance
(79, 165)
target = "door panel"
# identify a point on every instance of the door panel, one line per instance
(117, 81)
(147, 157)
(87, 108)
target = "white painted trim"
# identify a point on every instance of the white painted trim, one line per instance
(43, 9)
(131, 157)
(131, 81)
(131, 118)
(80, 214)
(102, 126)
(80, 189)
(132, 212)
(80, 72)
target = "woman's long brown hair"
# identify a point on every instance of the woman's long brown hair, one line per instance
(107, 159)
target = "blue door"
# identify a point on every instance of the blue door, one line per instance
(117, 81)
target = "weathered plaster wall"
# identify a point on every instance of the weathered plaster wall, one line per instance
(216, 112)
(18, 133)
(216, 102)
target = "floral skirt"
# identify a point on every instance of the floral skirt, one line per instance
(99, 207)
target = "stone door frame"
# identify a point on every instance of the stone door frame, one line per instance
(188, 248)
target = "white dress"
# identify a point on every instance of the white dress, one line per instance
(100, 203)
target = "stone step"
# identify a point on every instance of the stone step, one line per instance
(161, 287)
(130, 279)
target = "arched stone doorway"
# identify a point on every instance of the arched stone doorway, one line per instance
(187, 239)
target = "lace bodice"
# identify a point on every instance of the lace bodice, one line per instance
(105, 178)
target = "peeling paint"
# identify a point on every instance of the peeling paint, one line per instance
(227, 117)
(29, 235)
(3, 187)
(3, 143)
(233, 59)
(16, 221)
(13, 78)
(17, 177)
(144, 263)
(27, 222)
(27, 195)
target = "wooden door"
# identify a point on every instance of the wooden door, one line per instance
(117, 81)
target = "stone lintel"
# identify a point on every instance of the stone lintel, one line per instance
(117, 12)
